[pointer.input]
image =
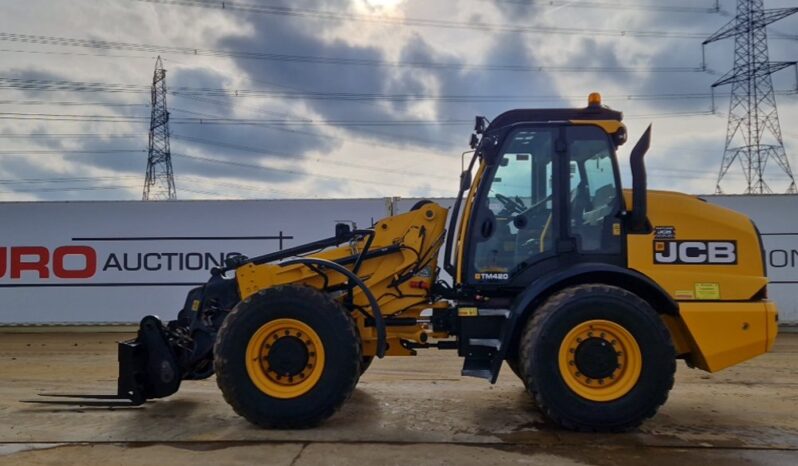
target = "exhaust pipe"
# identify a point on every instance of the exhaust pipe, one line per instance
(638, 221)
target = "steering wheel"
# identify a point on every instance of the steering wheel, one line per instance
(512, 205)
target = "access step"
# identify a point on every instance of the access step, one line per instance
(494, 343)
(477, 367)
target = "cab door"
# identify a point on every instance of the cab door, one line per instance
(550, 198)
(517, 208)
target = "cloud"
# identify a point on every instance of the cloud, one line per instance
(356, 161)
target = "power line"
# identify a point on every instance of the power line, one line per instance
(70, 117)
(352, 137)
(192, 112)
(214, 119)
(418, 22)
(206, 193)
(368, 141)
(278, 10)
(428, 145)
(73, 86)
(47, 190)
(456, 66)
(228, 145)
(15, 181)
(70, 136)
(217, 102)
(61, 117)
(52, 151)
(342, 123)
(203, 159)
(285, 170)
(81, 179)
(96, 188)
(260, 151)
(347, 61)
(715, 8)
(677, 173)
(70, 103)
(239, 186)
(75, 54)
(225, 121)
(262, 122)
(669, 115)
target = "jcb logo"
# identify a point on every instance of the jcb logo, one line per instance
(695, 252)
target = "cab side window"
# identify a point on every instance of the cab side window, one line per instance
(594, 195)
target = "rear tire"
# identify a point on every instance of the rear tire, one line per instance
(318, 347)
(617, 341)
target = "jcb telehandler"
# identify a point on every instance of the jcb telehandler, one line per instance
(590, 293)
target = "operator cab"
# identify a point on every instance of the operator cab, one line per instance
(547, 195)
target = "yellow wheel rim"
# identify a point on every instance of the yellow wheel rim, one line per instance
(285, 358)
(600, 360)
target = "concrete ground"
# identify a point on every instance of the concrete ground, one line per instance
(404, 411)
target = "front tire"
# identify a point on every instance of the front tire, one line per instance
(597, 358)
(287, 357)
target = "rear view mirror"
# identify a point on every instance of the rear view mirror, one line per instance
(480, 124)
(474, 141)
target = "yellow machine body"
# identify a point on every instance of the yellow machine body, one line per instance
(723, 316)
(418, 233)
(722, 319)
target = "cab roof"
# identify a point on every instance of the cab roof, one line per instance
(545, 115)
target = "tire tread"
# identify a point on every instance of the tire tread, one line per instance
(533, 329)
(230, 387)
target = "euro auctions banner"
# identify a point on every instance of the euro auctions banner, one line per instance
(77, 262)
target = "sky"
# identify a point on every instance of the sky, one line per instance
(351, 98)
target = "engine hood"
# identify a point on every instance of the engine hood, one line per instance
(697, 250)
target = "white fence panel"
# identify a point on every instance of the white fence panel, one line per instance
(117, 261)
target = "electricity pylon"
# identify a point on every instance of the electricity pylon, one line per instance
(753, 134)
(159, 183)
